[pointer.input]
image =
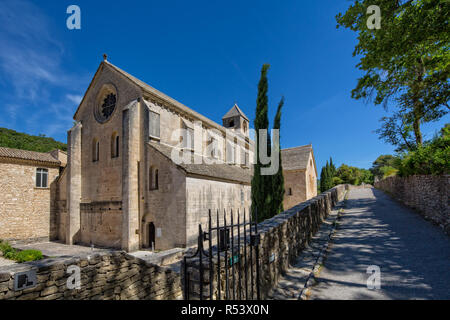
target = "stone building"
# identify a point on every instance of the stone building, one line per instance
(300, 175)
(142, 170)
(28, 182)
(124, 184)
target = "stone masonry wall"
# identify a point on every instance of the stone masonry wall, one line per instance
(26, 212)
(104, 276)
(426, 193)
(282, 238)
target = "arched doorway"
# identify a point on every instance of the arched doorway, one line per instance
(151, 235)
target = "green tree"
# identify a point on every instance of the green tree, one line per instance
(406, 61)
(323, 179)
(332, 167)
(431, 158)
(278, 179)
(261, 184)
(380, 165)
(17, 140)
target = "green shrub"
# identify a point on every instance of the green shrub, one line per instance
(432, 158)
(19, 256)
(6, 248)
(28, 255)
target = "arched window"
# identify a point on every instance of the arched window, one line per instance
(95, 150)
(115, 145)
(156, 183)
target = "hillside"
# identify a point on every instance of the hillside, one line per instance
(13, 139)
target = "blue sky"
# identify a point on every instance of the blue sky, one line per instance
(205, 54)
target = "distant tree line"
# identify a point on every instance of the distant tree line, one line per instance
(331, 177)
(17, 140)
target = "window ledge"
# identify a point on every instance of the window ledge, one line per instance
(40, 188)
(155, 138)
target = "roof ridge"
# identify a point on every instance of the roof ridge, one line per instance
(229, 113)
(163, 96)
(13, 153)
(299, 147)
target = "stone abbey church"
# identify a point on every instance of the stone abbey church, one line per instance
(118, 185)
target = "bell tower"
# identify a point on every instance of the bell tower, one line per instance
(235, 119)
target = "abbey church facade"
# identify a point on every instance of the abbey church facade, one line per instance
(142, 170)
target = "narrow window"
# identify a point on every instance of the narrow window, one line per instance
(95, 150)
(117, 146)
(231, 152)
(188, 138)
(150, 178)
(154, 124)
(214, 151)
(114, 145)
(153, 178)
(290, 192)
(41, 178)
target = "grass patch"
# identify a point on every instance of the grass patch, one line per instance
(19, 256)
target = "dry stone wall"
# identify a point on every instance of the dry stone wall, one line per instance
(428, 194)
(282, 239)
(110, 275)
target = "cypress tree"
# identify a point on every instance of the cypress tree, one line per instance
(323, 180)
(278, 179)
(260, 184)
(333, 168)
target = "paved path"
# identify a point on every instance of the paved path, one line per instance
(57, 249)
(414, 256)
(291, 285)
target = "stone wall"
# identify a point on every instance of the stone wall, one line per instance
(165, 206)
(282, 238)
(426, 193)
(104, 276)
(202, 195)
(26, 212)
(295, 181)
(101, 223)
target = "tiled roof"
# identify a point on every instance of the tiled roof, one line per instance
(218, 171)
(28, 155)
(295, 158)
(235, 111)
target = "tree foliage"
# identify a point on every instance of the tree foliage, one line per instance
(17, 140)
(267, 190)
(431, 158)
(406, 61)
(278, 179)
(384, 166)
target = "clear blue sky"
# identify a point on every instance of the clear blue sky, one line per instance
(205, 54)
